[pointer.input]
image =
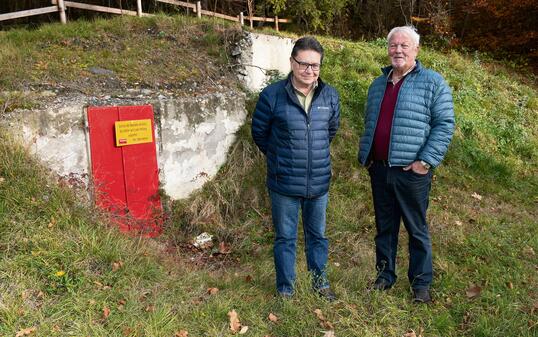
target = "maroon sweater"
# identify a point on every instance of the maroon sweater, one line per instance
(384, 122)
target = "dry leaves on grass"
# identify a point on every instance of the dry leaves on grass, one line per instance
(528, 251)
(476, 196)
(329, 333)
(106, 312)
(224, 248)
(473, 291)
(235, 324)
(323, 321)
(26, 332)
(273, 318)
(182, 333)
(412, 333)
(212, 291)
(117, 265)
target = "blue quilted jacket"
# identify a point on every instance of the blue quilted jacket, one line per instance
(296, 144)
(423, 121)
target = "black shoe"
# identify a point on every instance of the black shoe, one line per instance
(381, 284)
(421, 296)
(327, 294)
(284, 296)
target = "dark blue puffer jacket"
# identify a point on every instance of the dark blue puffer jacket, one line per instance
(296, 144)
(423, 121)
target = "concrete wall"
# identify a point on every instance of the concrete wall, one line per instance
(259, 55)
(193, 135)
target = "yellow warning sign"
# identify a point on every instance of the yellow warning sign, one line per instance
(133, 132)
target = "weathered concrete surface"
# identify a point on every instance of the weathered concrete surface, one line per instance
(193, 135)
(259, 56)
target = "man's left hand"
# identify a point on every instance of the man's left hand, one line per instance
(417, 167)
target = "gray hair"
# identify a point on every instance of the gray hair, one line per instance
(408, 30)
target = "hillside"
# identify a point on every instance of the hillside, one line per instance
(65, 272)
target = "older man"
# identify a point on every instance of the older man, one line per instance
(409, 123)
(293, 124)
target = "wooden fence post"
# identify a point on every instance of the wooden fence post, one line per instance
(139, 8)
(241, 18)
(198, 9)
(276, 23)
(61, 9)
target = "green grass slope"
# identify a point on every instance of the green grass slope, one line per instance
(64, 272)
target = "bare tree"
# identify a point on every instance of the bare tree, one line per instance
(250, 9)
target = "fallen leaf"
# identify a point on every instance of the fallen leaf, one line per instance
(116, 265)
(410, 333)
(26, 332)
(319, 314)
(529, 251)
(458, 223)
(106, 312)
(248, 278)
(473, 291)
(510, 285)
(127, 331)
(212, 291)
(92, 302)
(323, 321)
(182, 333)
(51, 223)
(122, 302)
(59, 273)
(150, 308)
(235, 325)
(476, 196)
(243, 330)
(329, 333)
(224, 248)
(273, 318)
(2, 179)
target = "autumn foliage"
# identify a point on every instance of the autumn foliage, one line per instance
(509, 25)
(506, 26)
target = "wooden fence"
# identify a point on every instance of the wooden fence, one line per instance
(59, 6)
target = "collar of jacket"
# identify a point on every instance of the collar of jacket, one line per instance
(418, 67)
(291, 93)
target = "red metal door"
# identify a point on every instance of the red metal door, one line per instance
(126, 178)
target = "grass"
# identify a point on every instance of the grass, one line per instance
(64, 271)
(162, 52)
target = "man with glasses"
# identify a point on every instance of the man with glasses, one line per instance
(293, 125)
(409, 122)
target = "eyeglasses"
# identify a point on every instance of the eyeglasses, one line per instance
(404, 46)
(304, 66)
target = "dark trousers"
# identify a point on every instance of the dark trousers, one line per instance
(399, 194)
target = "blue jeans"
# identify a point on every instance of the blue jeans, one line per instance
(399, 194)
(285, 211)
